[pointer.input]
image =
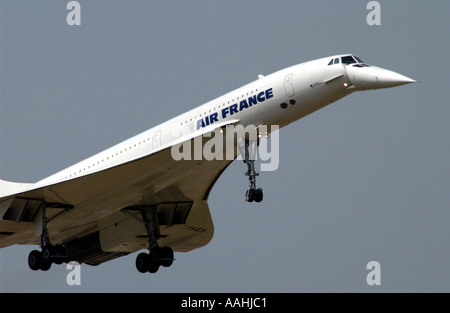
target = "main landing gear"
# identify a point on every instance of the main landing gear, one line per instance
(49, 254)
(157, 256)
(253, 193)
(150, 262)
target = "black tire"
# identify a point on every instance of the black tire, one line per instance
(258, 195)
(250, 195)
(153, 267)
(45, 265)
(154, 259)
(156, 255)
(166, 256)
(47, 253)
(142, 262)
(35, 260)
(60, 254)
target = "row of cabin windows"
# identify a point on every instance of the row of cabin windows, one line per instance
(219, 106)
(107, 158)
(148, 139)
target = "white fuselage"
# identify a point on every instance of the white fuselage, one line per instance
(276, 99)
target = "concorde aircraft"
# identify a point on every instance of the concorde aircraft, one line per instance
(136, 195)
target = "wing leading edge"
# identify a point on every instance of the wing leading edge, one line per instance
(98, 210)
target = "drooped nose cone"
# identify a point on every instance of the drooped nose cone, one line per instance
(364, 78)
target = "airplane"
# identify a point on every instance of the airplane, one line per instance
(136, 196)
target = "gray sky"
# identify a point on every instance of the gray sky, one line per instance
(366, 178)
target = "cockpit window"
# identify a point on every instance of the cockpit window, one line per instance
(335, 61)
(348, 60)
(358, 59)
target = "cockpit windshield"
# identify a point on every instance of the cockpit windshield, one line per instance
(358, 59)
(348, 60)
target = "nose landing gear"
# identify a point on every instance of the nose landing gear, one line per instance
(249, 153)
(254, 194)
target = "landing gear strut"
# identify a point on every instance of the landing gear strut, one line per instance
(253, 193)
(157, 256)
(49, 254)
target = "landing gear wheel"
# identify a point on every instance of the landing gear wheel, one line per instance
(158, 256)
(45, 265)
(35, 260)
(142, 262)
(258, 195)
(153, 267)
(154, 259)
(250, 195)
(166, 256)
(47, 253)
(253, 194)
(60, 254)
(47, 257)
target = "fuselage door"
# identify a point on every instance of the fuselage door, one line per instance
(289, 85)
(156, 140)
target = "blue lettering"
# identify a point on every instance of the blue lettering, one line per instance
(260, 97)
(213, 118)
(243, 105)
(200, 124)
(233, 109)
(225, 112)
(252, 100)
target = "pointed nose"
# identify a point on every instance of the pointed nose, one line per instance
(387, 79)
(365, 78)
